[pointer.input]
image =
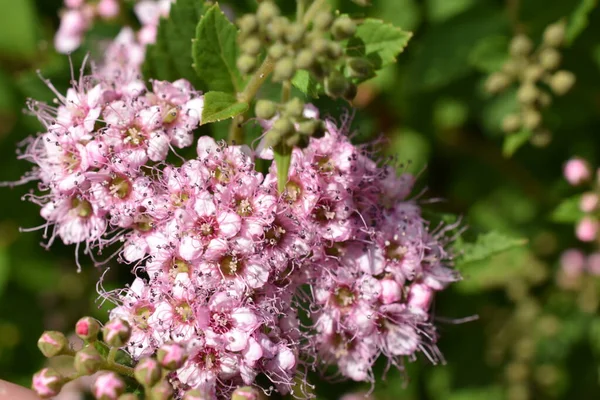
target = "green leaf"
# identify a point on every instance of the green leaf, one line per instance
(489, 54)
(4, 268)
(486, 246)
(514, 141)
(215, 52)
(219, 106)
(406, 14)
(568, 212)
(18, 29)
(579, 19)
(441, 10)
(379, 42)
(283, 158)
(170, 58)
(304, 82)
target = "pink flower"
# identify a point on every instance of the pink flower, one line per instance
(577, 171)
(108, 386)
(587, 229)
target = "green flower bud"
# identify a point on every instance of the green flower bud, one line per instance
(284, 69)
(550, 59)
(267, 11)
(246, 393)
(319, 71)
(116, 332)
(497, 82)
(544, 99)
(294, 108)
(323, 20)
(334, 50)
(533, 73)
(272, 138)
(276, 29)
(171, 356)
(305, 59)
(246, 63)
(309, 127)
(277, 51)
(294, 33)
(283, 126)
(511, 123)
(512, 68)
(531, 119)
(88, 361)
(336, 85)
(561, 82)
(265, 109)
(350, 92)
(320, 46)
(296, 140)
(52, 343)
(251, 46)
(87, 328)
(520, 46)
(554, 35)
(343, 28)
(248, 24)
(541, 138)
(163, 390)
(360, 68)
(527, 93)
(147, 372)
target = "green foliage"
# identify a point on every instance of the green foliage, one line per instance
(568, 212)
(170, 58)
(486, 246)
(219, 106)
(579, 20)
(514, 141)
(215, 52)
(18, 30)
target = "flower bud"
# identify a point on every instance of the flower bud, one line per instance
(544, 99)
(589, 202)
(593, 264)
(294, 108)
(171, 356)
(147, 371)
(163, 390)
(284, 126)
(116, 332)
(47, 383)
(265, 109)
(108, 386)
(343, 28)
(577, 171)
(531, 119)
(360, 68)
(419, 297)
(245, 393)
(350, 92)
(294, 33)
(527, 93)
(554, 35)
(323, 20)
(533, 73)
(391, 291)
(284, 70)
(334, 50)
(309, 127)
(251, 46)
(87, 328)
(587, 229)
(550, 59)
(511, 123)
(108, 9)
(276, 29)
(320, 46)
(497, 82)
(277, 51)
(248, 24)
(267, 11)
(572, 262)
(88, 360)
(336, 85)
(296, 140)
(520, 46)
(52, 343)
(304, 59)
(272, 138)
(561, 82)
(246, 63)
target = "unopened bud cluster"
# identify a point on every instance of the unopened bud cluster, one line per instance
(537, 74)
(315, 46)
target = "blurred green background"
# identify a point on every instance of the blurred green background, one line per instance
(533, 339)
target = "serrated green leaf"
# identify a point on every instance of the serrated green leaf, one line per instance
(170, 58)
(219, 106)
(304, 82)
(215, 52)
(378, 41)
(486, 246)
(579, 20)
(514, 141)
(568, 212)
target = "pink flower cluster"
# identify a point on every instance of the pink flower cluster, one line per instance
(578, 172)
(229, 267)
(98, 149)
(79, 15)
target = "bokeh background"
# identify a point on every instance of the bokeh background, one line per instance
(537, 336)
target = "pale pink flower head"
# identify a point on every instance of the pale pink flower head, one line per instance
(47, 383)
(108, 9)
(108, 386)
(587, 229)
(589, 202)
(593, 264)
(577, 171)
(572, 262)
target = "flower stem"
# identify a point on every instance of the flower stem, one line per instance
(313, 10)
